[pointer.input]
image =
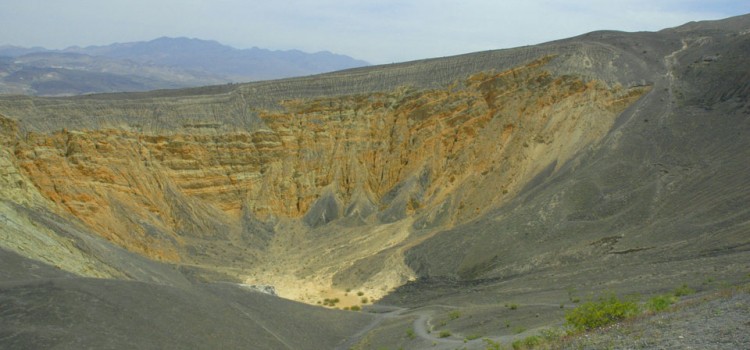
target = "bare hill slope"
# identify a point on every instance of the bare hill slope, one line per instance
(530, 176)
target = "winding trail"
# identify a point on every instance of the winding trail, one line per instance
(423, 328)
(670, 61)
(392, 312)
(420, 325)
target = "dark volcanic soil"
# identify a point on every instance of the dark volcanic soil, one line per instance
(44, 308)
(717, 321)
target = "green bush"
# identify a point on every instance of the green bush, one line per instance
(454, 314)
(527, 343)
(683, 291)
(410, 334)
(473, 336)
(492, 345)
(660, 302)
(532, 341)
(330, 302)
(594, 314)
(551, 334)
(445, 333)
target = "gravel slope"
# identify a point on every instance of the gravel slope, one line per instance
(718, 321)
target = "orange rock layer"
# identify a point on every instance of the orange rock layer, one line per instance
(469, 146)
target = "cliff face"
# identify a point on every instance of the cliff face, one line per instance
(434, 157)
(30, 225)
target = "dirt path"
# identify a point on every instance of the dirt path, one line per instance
(670, 61)
(421, 326)
(385, 312)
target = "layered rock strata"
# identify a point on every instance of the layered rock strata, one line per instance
(437, 156)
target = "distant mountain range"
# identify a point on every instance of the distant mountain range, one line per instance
(162, 63)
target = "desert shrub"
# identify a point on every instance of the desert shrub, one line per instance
(360, 293)
(594, 314)
(355, 308)
(330, 302)
(410, 334)
(660, 302)
(532, 341)
(454, 314)
(491, 345)
(551, 334)
(529, 342)
(444, 333)
(473, 336)
(683, 290)
(364, 300)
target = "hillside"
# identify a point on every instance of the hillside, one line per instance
(531, 176)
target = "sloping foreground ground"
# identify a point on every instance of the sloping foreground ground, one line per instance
(42, 307)
(715, 321)
(707, 320)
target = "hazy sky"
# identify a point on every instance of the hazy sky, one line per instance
(378, 31)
